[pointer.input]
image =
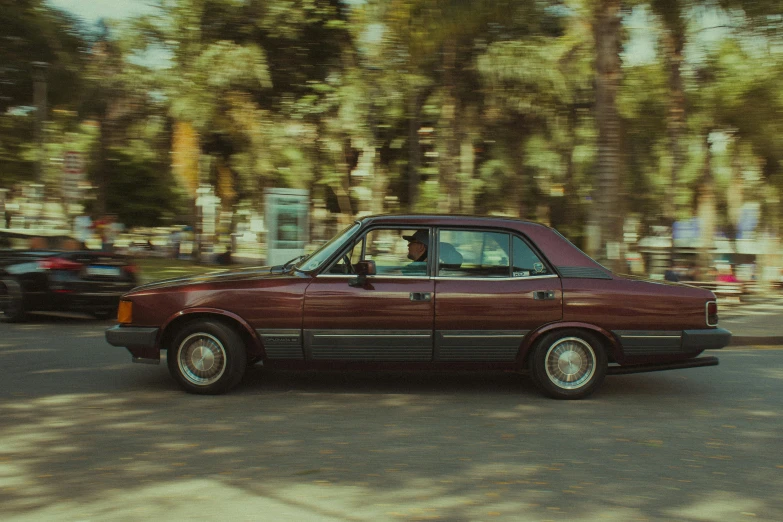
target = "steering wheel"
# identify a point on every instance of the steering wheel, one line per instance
(348, 265)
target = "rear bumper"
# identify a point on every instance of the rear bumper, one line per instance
(711, 339)
(657, 343)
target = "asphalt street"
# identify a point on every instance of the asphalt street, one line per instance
(86, 435)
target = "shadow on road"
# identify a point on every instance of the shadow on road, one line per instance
(86, 435)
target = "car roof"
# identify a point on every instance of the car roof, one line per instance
(560, 252)
(448, 219)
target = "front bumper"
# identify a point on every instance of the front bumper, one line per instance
(141, 342)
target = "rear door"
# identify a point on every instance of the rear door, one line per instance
(491, 289)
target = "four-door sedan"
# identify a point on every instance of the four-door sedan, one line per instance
(424, 293)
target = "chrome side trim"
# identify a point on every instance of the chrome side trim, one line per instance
(647, 342)
(478, 345)
(351, 276)
(460, 278)
(436, 278)
(368, 345)
(281, 344)
(650, 336)
(374, 336)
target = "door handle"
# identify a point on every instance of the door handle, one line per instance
(421, 296)
(544, 295)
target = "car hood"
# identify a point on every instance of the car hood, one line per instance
(218, 276)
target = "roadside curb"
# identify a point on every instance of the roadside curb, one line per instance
(751, 340)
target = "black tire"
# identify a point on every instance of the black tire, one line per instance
(207, 357)
(568, 364)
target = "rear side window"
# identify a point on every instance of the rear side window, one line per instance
(470, 253)
(526, 262)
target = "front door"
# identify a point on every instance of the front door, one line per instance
(491, 290)
(389, 318)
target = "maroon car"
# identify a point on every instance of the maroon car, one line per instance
(424, 292)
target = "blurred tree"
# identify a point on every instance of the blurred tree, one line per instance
(672, 13)
(539, 92)
(124, 101)
(607, 212)
(438, 43)
(737, 107)
(34, 32)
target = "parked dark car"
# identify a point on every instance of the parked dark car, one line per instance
(487, 294)
(57, 274)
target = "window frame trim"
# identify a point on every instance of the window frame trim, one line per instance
(436, 230)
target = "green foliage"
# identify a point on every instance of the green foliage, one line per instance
(16, 134)
(32, 32)
(315, 93)
(141, 190)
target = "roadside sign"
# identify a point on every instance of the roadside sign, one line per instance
(72, 162)
(73, 174)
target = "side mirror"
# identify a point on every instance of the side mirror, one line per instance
(362, 269)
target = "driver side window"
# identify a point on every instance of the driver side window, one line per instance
(387, 248)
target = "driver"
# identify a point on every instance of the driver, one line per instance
(418, 244)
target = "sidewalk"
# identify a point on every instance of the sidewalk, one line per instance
(759, 321)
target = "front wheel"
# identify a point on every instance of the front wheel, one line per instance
(207, 357)
(568, 364)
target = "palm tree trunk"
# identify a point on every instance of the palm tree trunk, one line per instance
(706, 208)
(449, 144)
(414, 150)
(606, 217)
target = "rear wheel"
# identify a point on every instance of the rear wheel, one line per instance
(207, 357)
(568, 364)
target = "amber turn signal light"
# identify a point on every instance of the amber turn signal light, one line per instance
(125, 312)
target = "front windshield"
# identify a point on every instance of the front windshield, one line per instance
(321, 255)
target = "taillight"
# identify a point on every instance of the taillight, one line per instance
(131, 269)
(125, 312)
(712, 313)
(58, 263)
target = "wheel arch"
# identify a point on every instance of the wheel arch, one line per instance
(175, 323)
(613, 348)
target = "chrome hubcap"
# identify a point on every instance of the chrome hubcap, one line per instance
(202, 359)
(570, 363)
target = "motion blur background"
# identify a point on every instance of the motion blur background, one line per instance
(649, 133)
